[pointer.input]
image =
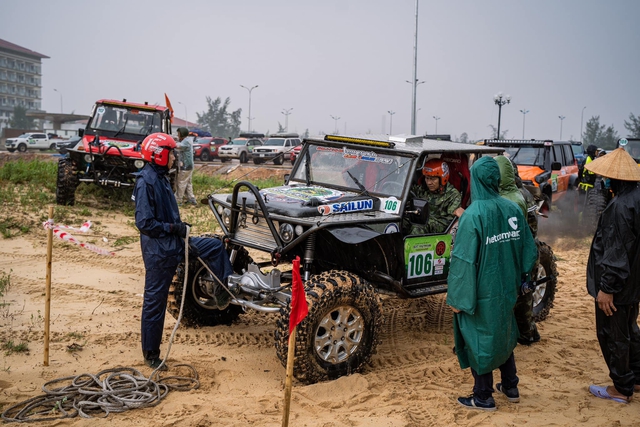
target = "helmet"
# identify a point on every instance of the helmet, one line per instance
(591, 150)
(439, 168)
(156, 148)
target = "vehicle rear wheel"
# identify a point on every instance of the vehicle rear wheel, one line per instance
(200, 308)
(205, 156)
(52, 147)
(341, 331)
(224, 159)
(67, 182)
(22, 148)
(545, 293)
(243, 157)
(257, 161)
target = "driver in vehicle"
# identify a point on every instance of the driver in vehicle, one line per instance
(444, 200)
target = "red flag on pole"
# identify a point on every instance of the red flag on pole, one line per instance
(299, 307)
(166, 100)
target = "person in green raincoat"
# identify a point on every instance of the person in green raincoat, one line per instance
(494, 248)
(528, 331)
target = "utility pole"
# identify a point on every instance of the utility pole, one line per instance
(286, 118)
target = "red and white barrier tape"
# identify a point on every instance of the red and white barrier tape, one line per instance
(59, 233)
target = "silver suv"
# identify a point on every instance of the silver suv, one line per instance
(239, 148)
(277, 148)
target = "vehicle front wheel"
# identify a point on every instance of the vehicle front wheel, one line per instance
(11, 150)
(277, 160)
(243, 157)
(224, 159)
(66, 183)
(257, 161)
(545, 293)
(205, 156)
(341, 331)
(52, 147)
(22, 148)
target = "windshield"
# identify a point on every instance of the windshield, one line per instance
(202, 140)
(275, 141)
(238, 142)
(633, 148)
(357, 170)
(577, 149)
(526, 156)
(126, 120)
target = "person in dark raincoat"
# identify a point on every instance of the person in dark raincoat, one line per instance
(483, 287)
(162, 234)
(613, 276)
(524, 304)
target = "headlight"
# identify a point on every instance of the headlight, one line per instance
(299, 230)
(286, 232)
(220, 209)
(139, 164)
(226, 217)
(88, 158)
(197, 147)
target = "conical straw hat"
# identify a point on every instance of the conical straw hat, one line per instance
(617, 164)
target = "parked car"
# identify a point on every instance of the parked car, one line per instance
(65, 144)
(206, 148)
(578, 151)
(631, 146)
(341, 211)
(545, 166)
(30, 140)
(239, 148)
(277, 148)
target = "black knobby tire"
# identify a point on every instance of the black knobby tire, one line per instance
(545, 293)
(205, 156)
(351, 306)
(596, 202)
(22, 148)
(257, 161)
(199, 308)
(243, 157)
(66, 183)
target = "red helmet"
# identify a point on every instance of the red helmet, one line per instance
(439, 168)
(156, 148)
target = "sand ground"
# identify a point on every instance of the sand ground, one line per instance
(413, 380)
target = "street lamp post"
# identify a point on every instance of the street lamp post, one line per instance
(414, 112)
(436, 118)
(186, 116)
(581, 117)
(336, 119)
(286, 118)
(391, 113)
(56, 90)
(249, 90)
(499, 100)
(524, 112)
(561, 120)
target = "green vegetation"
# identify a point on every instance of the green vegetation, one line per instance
(29, 186)
(9, 347)
(5, 282)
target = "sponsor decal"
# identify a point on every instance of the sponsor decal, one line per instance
(391, 228)
(301, 194)
(506, 236)
(346, 207)
(427, 255)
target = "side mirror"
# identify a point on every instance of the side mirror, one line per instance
(556, 166)
(80, 132)
(419, 211)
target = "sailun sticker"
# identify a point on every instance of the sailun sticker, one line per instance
(346, 207)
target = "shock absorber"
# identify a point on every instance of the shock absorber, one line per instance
(309, 255)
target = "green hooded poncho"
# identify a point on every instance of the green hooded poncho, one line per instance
(508, 187)
(493, 249)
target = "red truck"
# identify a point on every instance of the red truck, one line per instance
(206, 148)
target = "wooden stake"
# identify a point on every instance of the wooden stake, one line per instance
(47, 298)
(289, 378)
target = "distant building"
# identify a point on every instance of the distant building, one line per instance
(20, 80)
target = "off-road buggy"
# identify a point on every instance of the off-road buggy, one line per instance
(109, 154)
(341, 211)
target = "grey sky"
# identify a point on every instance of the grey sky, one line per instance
(346, 58)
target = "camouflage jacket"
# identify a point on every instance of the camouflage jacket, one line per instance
(441, 209)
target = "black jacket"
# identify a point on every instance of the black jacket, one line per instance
(614, 258)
